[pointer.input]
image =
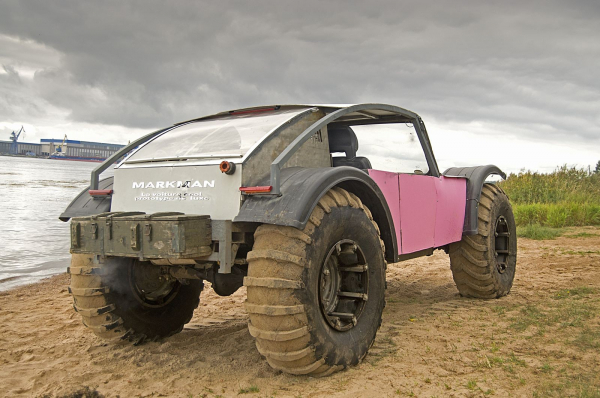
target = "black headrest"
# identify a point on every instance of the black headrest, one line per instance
(342, 139)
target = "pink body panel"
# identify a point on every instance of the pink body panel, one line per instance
(388, 183)
(427, 211)
(417, 212)
(450, 210)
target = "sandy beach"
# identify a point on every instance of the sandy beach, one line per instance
(542, 339)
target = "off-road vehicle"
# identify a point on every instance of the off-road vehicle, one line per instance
(278, 199)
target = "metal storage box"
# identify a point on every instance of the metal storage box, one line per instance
(146, 236)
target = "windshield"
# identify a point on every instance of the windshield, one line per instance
(230, 136)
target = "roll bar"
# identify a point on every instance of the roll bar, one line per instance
(361, 109)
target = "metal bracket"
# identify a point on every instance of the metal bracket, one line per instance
(75, 232)
(222, 232)
(135, 237)
(148, 232)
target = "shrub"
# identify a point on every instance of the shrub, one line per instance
(565, 197)
(563, 185)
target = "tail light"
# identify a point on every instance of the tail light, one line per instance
(256, 190)
(100, 192)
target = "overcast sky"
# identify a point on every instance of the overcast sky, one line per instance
(514, 83)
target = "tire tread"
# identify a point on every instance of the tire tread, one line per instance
(281, 333)
(472, 262)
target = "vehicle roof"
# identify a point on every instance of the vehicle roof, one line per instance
(376, 113)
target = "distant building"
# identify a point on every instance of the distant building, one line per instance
(23, 148)
(69, 150)
(78, 149)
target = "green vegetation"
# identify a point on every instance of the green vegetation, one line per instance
(570, 308)
(570, 185)
(563, 198)
(538, 232)
(249, 390)
(576, 293)
(569, 316)
(557, 215)
(582, 235)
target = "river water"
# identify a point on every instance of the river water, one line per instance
(34, 243)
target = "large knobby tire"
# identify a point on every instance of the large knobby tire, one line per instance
(483, 265)
(315, 296)
(128, 299)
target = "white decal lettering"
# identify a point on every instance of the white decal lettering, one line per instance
(196, 184)
(170, 184)
(160, 184)
(209, 184)
(138, 185)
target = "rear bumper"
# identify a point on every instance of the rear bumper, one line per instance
(144, 236)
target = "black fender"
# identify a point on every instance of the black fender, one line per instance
(476, 177)
(301, 190)
(85, 205)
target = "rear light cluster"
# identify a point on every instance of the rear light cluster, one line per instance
(256, 190)
(100, 192)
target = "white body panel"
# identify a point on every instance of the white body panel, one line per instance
(202, 190)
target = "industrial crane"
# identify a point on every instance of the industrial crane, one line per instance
(14, 147)
(59, 149)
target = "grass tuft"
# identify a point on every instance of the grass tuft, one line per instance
(249, 390)
(588, 339)
(538, 232)
(575, 293)
(582, 235)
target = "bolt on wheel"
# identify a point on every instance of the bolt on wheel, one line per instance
(343, 285)
(501, 243)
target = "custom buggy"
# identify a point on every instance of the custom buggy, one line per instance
(280, 200)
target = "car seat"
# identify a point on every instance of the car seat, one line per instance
(343, 139)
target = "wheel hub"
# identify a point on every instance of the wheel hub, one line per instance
(343, 285)
(151, 287)
(501, 243)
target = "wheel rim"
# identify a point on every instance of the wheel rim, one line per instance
(151, 287)
(502, 244)
(343, 285)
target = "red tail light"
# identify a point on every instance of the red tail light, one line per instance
(100, 192)
(259, 189)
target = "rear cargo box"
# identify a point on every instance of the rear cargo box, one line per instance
(146, 236)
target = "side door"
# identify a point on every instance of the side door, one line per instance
(401, 170)
(428, 210)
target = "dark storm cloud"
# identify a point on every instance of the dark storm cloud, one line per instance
(528, 67)
(17, 99)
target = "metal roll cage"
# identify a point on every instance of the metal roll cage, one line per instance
(339, 116)
(400, 116)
